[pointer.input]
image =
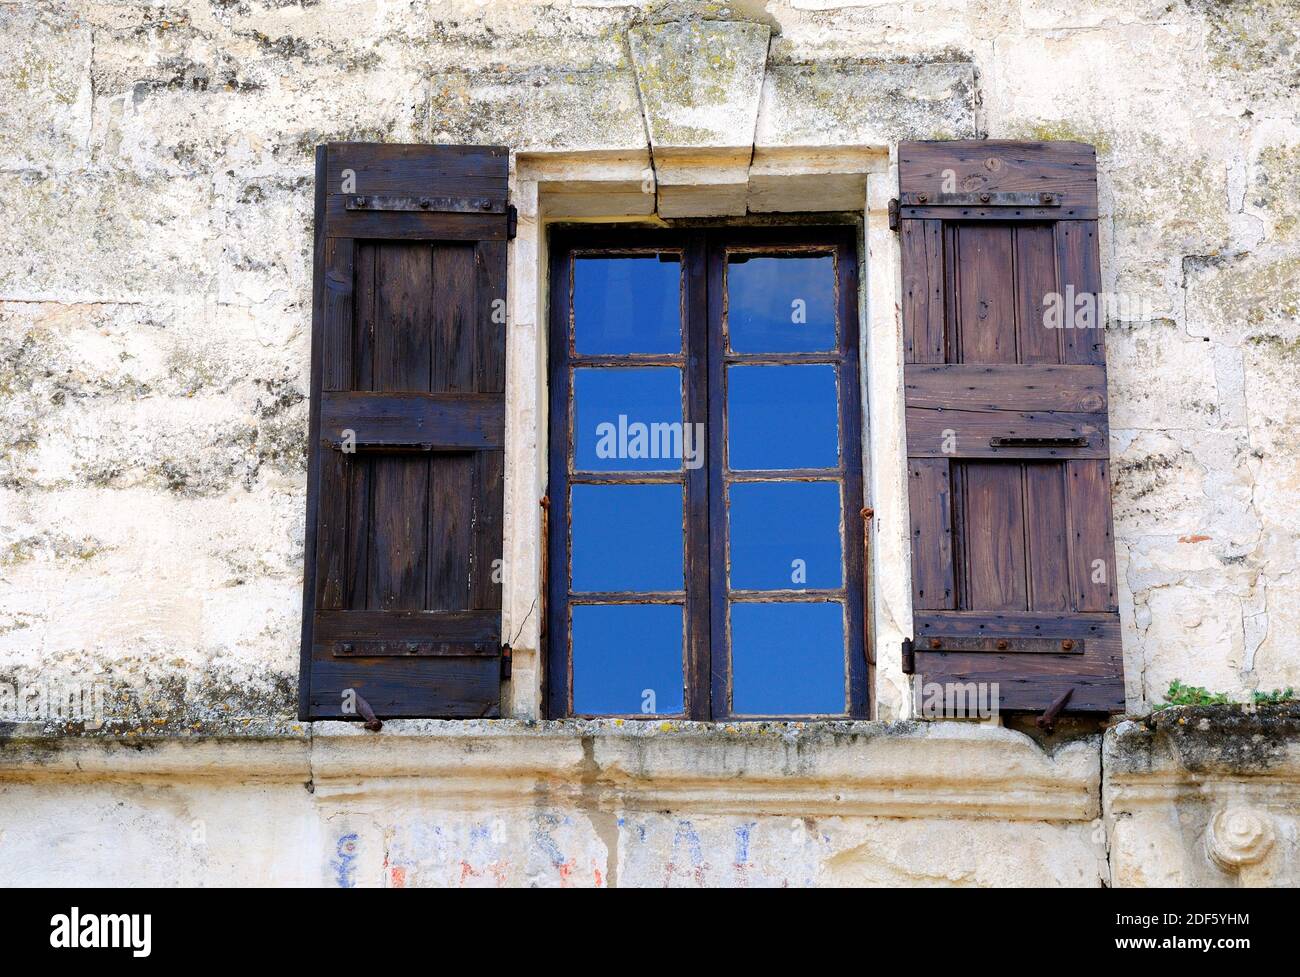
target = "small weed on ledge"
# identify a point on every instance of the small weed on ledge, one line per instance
(1179, 694)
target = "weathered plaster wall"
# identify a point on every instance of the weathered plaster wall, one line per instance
(558, 804)
(1203, 797)
(156, 166)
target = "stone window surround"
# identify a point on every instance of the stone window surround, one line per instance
(609, 186)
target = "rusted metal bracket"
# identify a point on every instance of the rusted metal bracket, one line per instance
(545, 503)
(1015, 442)
(512, 222)
(868, 645)
(373, 722)
(379, 447)
(909, 657)
(982, 198)
(412, 649)
(893, 214)
(1018, 646)
(432, 205)
(506, 653)
(1047, 721)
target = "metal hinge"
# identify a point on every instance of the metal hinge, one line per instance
(506, 653)
(982, 198)
(909, 657)
(437, 205)
(893, 214)
(512, 222)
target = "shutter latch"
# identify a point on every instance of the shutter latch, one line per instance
(1047, 721)
(893, 214)
(909, 657)
(506, 653)
(373, 722)
(512, 222)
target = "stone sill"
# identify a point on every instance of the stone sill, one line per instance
(902, 769)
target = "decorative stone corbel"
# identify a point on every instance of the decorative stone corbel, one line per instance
(700, 83)
(1238, 836)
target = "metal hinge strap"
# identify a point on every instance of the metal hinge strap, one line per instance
(432, 205)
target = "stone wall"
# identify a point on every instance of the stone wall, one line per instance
(156, 168)
(1203, 797)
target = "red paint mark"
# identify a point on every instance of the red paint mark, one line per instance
(1192, 539)
(399, 877)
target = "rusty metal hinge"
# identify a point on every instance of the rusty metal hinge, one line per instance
(909, 657)
(893, 214)
(506, 652)
(512, 222)
(434, 205)
(983, 198)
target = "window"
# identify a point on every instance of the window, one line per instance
(705, 534)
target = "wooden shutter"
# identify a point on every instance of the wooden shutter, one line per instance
(1013, 567)
(402, 599)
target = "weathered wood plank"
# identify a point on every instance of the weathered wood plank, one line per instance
(930, 510)
(1092, 548)
(993, 537)
(939, 433)
(922, 309)
(1066, 169)
(985, 314)
(1005, 387)
(431, 422)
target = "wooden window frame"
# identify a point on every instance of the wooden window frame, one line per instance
(703, 361)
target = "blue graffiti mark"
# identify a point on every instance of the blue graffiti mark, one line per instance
(742, 842)
(686, 831)
(542, 838)
(344, 862)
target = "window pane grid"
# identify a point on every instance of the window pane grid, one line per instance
(832, 608)
(772, 649)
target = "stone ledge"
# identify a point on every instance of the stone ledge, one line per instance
(1204, 796)
(854, 768)
(151, 759)
(1204, 751)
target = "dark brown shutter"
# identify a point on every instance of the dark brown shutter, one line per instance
(402, 599)
(1013, 566)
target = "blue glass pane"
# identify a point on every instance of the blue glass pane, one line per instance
(627, 305)
(628, 419)
(785, 535)
(627, 537)
(787, 659)
(627, 658)
(782, 417)
(781, 304)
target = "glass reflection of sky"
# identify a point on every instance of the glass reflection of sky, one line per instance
(781, 304)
